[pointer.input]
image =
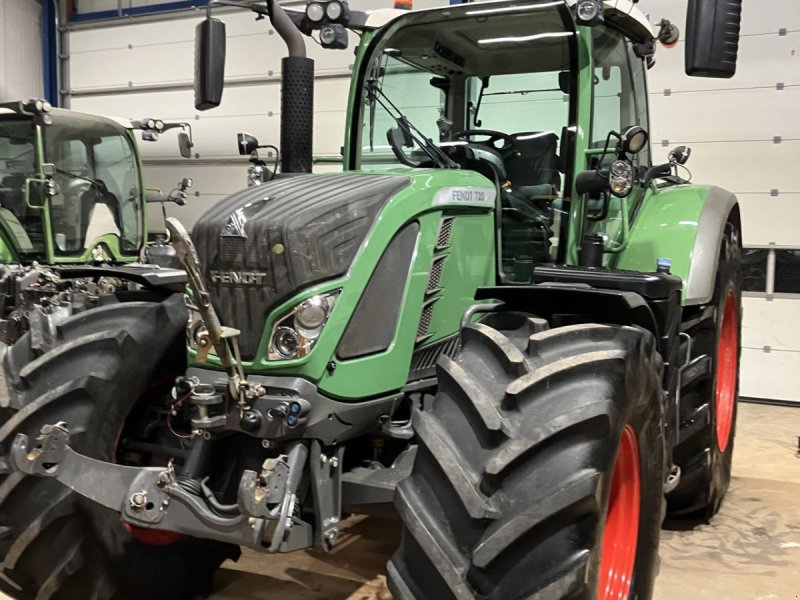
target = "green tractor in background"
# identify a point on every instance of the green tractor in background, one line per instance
(72, 196)
(502, 322)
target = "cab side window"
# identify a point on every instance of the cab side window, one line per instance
(620, 90)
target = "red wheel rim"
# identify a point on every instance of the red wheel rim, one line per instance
(622, 522)
(153, 537)
(727, 371)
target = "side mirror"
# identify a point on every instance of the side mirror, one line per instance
(185, 145)
(247, 143)
(680, 155)
(712, 37)
(209, 63)
(591, 182)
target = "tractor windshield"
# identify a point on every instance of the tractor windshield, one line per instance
(489, 90)
(99, 187)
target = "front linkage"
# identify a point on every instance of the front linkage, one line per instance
(155, 498)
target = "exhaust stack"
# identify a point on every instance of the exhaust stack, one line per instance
(297, 95)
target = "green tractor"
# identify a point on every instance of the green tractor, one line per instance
(502, 323)
(71, 196)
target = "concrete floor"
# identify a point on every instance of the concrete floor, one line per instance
(750, 552)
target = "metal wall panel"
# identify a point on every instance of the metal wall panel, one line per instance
(21, 66)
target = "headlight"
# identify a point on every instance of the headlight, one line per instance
(286, 342)
(334, 10)
(315, 12)
(620, 178)
(590, 12)
(621, 168)
(294, 335)
(311, 314)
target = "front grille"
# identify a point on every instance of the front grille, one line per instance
(445, 232)
(435, 278)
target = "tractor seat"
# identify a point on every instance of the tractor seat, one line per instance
(533, 168)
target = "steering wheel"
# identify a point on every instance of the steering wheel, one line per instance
(491, 136)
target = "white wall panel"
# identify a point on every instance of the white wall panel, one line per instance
(725, 115)
(21, 74)
(772, 375)
(255, 109)
(765, 324)
(753, 167)
(773, 220)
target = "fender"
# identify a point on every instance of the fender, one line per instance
(685, 224)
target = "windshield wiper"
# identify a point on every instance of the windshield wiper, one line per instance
(484, 85)
(436, 154)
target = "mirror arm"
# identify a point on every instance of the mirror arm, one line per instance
(154, 195)
(656, 172)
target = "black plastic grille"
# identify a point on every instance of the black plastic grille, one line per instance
(423, 362)
(424, 328)
(445, 232)
(435, 278)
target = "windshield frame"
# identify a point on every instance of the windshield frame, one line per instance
(111, 241)
(39, 249)
(375, 44)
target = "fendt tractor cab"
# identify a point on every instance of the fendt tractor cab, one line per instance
(502, 322)
(71, 193)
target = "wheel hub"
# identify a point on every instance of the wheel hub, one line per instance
(622, 522)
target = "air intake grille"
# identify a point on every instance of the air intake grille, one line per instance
(435, 278)
(424, 328)
(423, 363)
(445, 232)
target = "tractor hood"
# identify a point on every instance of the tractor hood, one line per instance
(263, 244)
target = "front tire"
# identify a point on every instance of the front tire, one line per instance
(539, 472)
(55, 544)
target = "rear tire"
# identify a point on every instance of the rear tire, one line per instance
(510, 495)
(710, 392)
(55, 544)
